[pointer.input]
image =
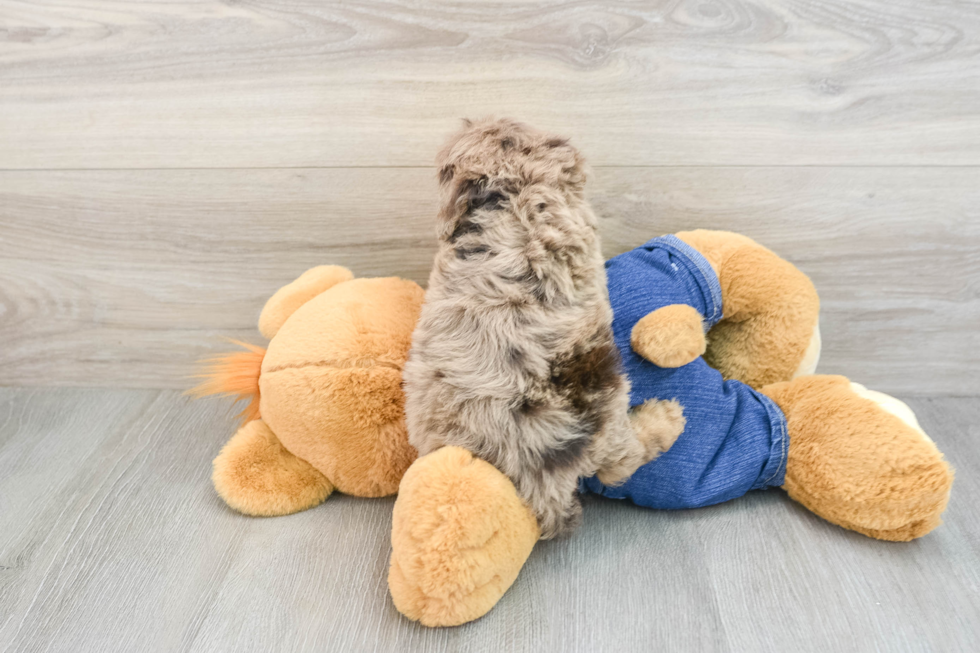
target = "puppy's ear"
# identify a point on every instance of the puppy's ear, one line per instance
(463, 198)
(449, 152)
(451, 188)
(446, 173)
(574, 169)
(457, 195)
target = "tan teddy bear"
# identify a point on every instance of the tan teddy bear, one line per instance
(326, 409)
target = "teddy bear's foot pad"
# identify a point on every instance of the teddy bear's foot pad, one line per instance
(859, 459)
(257, 476)
(460, 535)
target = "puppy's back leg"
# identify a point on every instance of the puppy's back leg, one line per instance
(657, 424)
(554, 499)
(632, 442)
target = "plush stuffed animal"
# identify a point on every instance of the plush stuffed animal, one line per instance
(326, 407)
(326, 412)
(756, 417)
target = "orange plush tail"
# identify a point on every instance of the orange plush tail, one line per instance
(234, 374)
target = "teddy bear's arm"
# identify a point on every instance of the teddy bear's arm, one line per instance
(258, 476)
(291, 296)
(671, 336)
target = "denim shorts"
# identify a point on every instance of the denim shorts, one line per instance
(735, 439)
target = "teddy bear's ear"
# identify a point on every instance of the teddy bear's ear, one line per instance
(293, 295)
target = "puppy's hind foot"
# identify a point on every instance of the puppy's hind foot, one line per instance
(657, 424)
(559, 520)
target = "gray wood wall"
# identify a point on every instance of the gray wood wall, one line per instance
(165, 166)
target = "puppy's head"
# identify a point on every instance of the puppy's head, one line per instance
(511, 184)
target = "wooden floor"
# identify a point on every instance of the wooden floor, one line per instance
(166, 165)
(114, 540)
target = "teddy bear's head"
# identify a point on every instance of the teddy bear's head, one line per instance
(330, 384)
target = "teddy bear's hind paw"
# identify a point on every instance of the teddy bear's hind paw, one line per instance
(460, 535)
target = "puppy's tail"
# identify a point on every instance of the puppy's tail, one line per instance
(235, 374)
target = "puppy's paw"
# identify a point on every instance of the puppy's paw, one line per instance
(657, 424)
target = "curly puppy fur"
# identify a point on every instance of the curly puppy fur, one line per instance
(513, 357)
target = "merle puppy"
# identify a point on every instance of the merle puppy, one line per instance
(513, 357)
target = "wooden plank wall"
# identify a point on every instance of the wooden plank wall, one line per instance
(165, 166)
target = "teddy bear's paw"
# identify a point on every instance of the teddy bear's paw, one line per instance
(460, 535)
(671, 336)
(859, 458)
(257, 476)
